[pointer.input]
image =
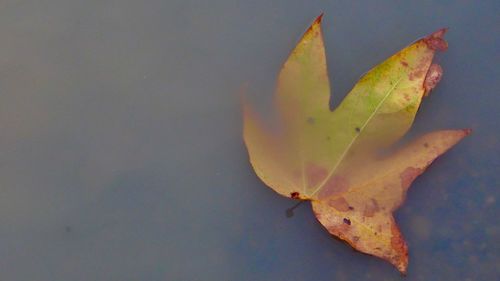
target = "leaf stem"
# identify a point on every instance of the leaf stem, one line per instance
(289, 211)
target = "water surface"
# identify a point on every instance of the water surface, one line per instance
(121, 150)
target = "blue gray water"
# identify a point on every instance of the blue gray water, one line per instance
(121, 155)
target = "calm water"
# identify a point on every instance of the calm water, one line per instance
(121, 155)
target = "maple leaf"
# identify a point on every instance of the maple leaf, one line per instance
(333, 158)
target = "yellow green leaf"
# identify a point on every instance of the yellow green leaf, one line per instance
(333, 158)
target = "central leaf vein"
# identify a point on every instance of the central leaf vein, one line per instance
(353, 140)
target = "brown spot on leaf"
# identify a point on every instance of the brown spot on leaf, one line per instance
(397, 241)
(405, 64)
(371, 208)
(420, 69)
(433, 77)
(436, 42)
(315, 174)
(295, 195)
(318, 215)
(340, 230)
(418, 73)
(333, 186)
(347, 221)
(399, 246)
(409, 175)
(340, 204)
(426, 145)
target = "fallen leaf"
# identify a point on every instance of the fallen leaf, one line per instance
(342, 160)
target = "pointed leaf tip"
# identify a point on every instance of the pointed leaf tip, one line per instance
(319, 18)
(435, 40)
(403, 269)
(316, 23)
(440, 32)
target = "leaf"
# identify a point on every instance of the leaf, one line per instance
(343, 161)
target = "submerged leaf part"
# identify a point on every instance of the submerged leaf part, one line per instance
(368, 202)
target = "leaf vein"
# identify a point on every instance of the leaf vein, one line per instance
(351, 143)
